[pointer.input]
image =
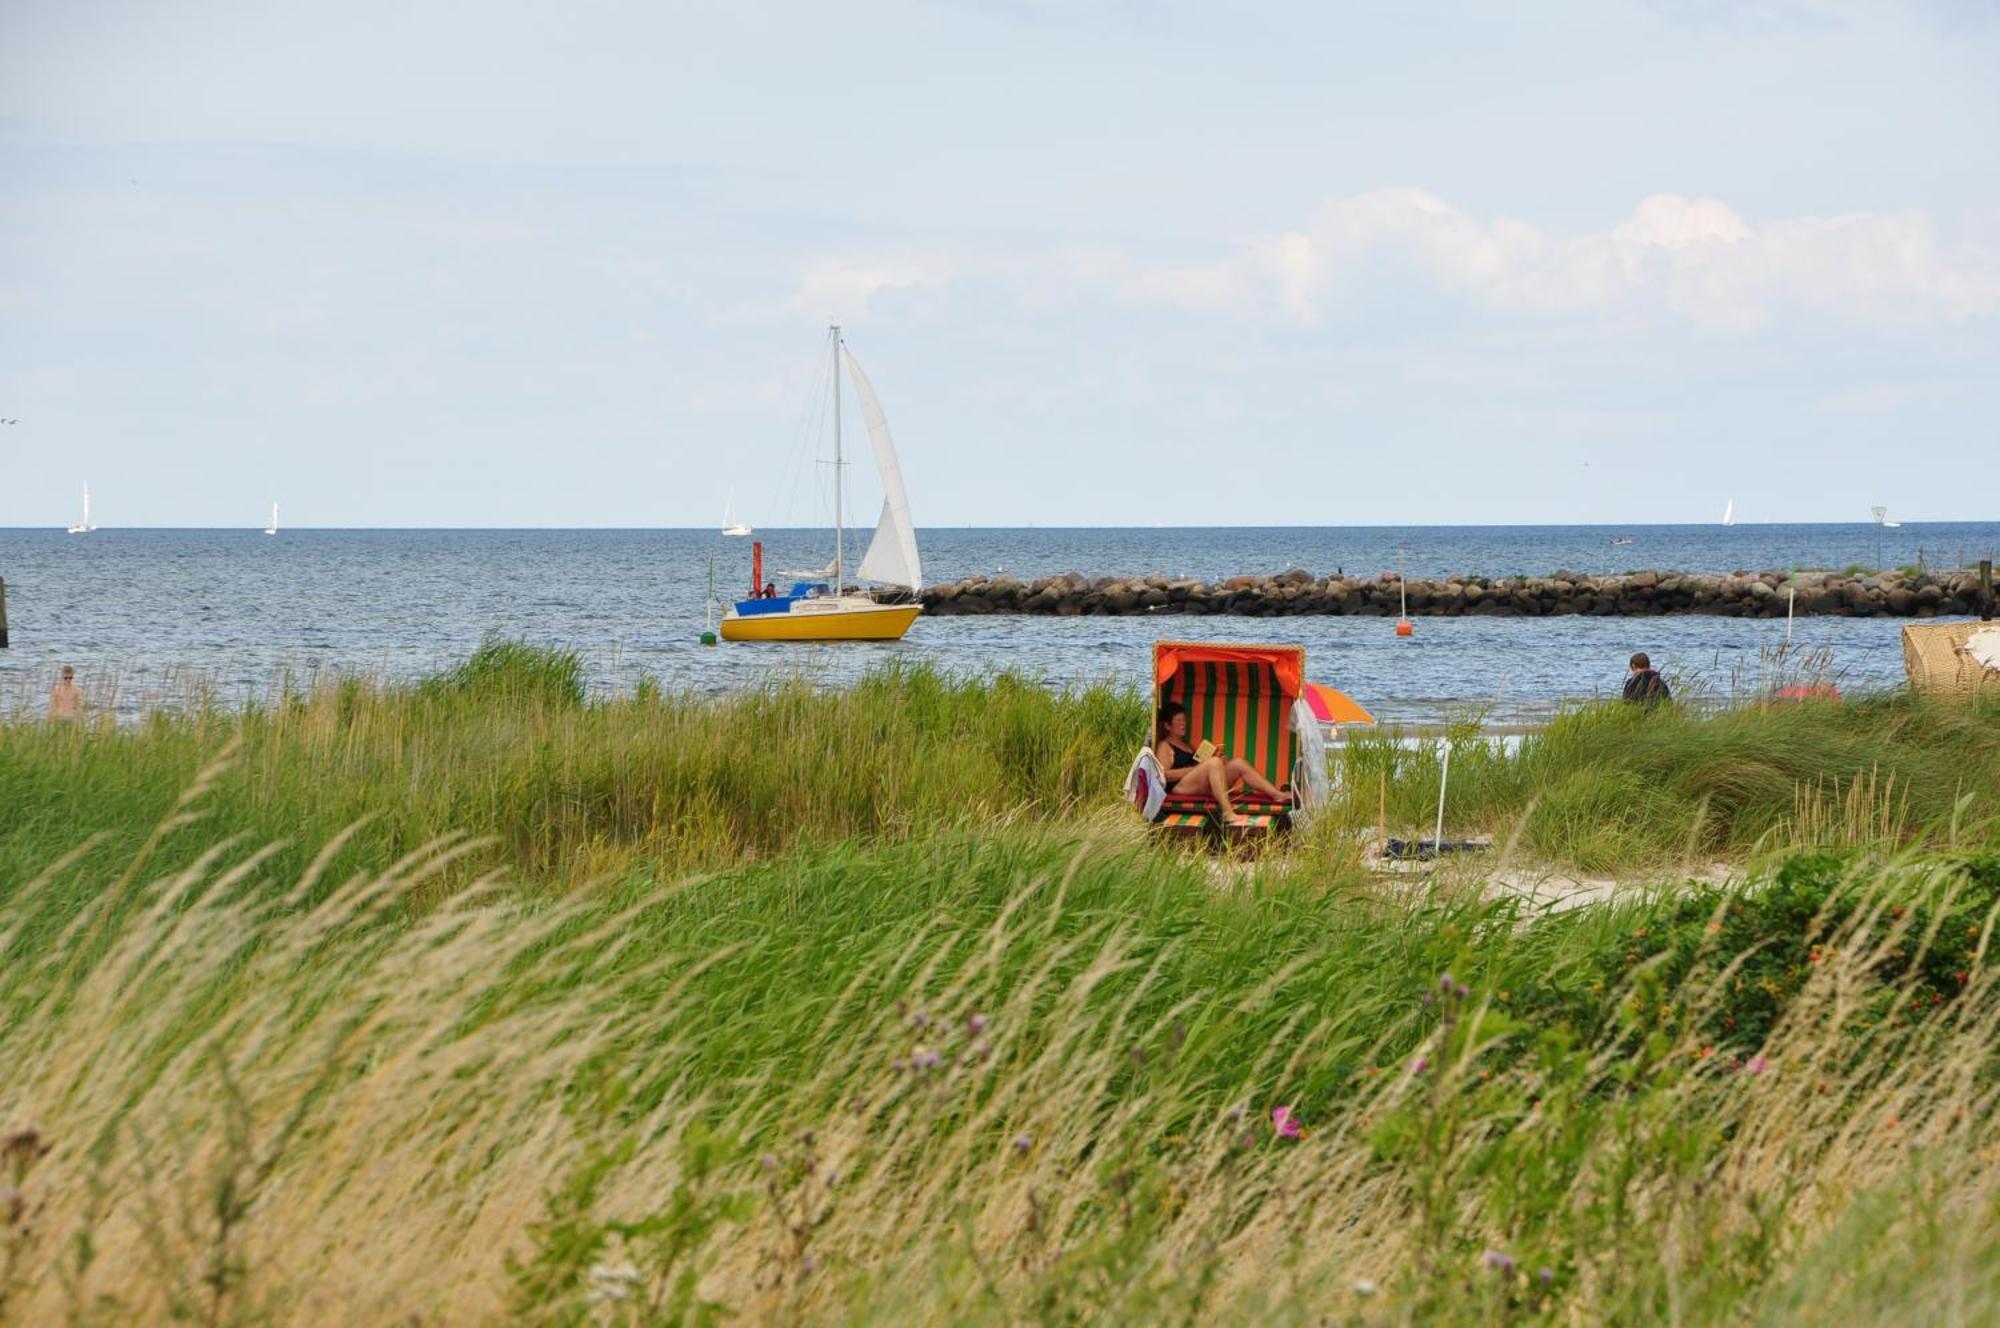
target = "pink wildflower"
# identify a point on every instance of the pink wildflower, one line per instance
(1286, 1123)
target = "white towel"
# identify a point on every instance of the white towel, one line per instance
(1154, 782)
(1984, 647)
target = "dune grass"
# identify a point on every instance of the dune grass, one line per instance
(987, 1078)
(477, 1002)
(1611, 787)
(504, 748)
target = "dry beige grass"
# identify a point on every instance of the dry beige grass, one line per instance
(315, 1107)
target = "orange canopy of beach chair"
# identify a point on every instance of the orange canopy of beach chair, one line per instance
(1332, 706)
(1286, 663)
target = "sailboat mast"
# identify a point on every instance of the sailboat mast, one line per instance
(837, 569)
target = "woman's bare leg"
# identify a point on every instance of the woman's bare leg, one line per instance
(1243, 770)
(1218, 780)
(1211, 777)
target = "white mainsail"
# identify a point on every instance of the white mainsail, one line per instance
(892, 554)
(1729, 513)
(272, 529)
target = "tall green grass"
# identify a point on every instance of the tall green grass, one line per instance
(504, 748)
(480, 1001)
(983, 1077)
(1613, 787)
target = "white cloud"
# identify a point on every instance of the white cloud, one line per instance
(844, 287)
(1880, 398)
(1694, 258)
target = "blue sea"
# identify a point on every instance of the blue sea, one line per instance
(155, 616)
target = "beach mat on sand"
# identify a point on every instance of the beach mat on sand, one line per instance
(1423, 850)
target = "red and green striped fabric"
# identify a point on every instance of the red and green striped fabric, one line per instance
(1183, 822)
(1240, 709)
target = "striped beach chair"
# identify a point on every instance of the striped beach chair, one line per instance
(1242, 698)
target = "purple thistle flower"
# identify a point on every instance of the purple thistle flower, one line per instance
(1547, 1275)
(1445, 984)
(1498, 1261)
(975, 1024)
(920, 1020)
(770, 1161)
(1023, 1142)
(1420, 1064)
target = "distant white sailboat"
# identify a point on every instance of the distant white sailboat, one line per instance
(730, 525)
(1729, 513)
(84, 527)
(272, 529)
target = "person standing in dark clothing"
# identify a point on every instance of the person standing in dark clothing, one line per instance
(1646, 686)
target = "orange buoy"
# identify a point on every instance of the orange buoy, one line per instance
(1404, 627)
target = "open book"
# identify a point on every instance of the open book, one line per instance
(1205, 750)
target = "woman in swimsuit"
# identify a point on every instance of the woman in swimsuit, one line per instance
(1214, 776)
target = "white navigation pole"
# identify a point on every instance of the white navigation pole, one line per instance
(1444, 780)
(836, 460)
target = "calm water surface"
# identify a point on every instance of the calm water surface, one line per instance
(145, 614)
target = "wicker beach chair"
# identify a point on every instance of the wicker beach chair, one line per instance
(1941, 659)
(1245, 700)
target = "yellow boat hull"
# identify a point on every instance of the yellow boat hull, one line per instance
(807, 622)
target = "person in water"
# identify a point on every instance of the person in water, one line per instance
(65, 698)
(1215, 776)
(1645, 686)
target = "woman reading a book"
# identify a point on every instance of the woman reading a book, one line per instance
(1203, 769)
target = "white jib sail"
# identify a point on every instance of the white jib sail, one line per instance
(892, 554)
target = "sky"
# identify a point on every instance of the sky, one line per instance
(1106, 262)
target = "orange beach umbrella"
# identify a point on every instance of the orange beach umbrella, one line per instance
(1331, 706)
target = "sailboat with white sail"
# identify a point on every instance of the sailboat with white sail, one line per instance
(84, 527)
(730, 525)
(823, 610)
(1729, 513)
(272, 529)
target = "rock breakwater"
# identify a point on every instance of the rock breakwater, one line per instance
(1897, 594)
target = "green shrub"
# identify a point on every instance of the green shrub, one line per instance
(1775, 934)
